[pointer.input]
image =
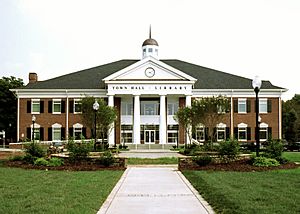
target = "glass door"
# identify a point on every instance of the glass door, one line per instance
(149, 136)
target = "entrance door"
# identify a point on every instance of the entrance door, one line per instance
(149, 136)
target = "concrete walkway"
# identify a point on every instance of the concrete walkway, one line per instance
(153, 153)
(154, 190)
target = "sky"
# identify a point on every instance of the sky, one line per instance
(241, 37)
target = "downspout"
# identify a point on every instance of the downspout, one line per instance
(67, 117)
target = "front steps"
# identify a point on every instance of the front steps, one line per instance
(149, 146)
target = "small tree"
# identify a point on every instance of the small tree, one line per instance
(106, 116)
(184, 116)
(210, 111)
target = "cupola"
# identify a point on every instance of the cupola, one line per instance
(150, 47)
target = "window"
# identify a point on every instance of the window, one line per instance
(149, 107)
(242, 133)
(77, 131)
(56, 132)
(221, 132)
(172, 108)
(200, 133)
(242, 105)
(150, 50)
(35, 106)
(263, 132)
(36, 133)
(126, 108)
(56, 106)
(172, 133)
(77, 106)
(263, 105)
(126, 134)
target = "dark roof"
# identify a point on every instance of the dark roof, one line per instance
(92, 78)
(150, 42)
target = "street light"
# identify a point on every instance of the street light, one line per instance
(256, 84)
(96, 108)
(33, 121)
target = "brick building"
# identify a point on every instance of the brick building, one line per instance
(146, 93)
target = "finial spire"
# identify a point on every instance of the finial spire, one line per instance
(150, 32)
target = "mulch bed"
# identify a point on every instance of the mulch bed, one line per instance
(240, 166)
(84, 166)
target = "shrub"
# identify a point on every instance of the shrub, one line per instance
(282, 160)
(106, 159)
(228, 150)
(17, 158)
(202, 160)
(274, 149)
(263, 161)
(56, 162)
(34, 150)
(41, 162)
(78, 151)
(29, 158)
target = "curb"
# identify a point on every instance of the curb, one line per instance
(205, 204)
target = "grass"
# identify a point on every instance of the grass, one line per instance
(37, 191)
(249, 192)
(292, 156)
(145, 161)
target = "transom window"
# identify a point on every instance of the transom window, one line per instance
(242, 105)
(35, 106)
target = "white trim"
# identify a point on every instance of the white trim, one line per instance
(144, 61)
(221, 125)
(18, 120)
(56, 125)
(77, 125)
(242, 125)
(263, 125)
(36, 126)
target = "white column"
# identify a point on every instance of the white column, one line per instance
(111, 132)
(162, 120)
(279, 119)
(18, 120)
(188, 103)
(67, 117)
(136, 120)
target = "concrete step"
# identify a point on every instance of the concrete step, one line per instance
(150, 147)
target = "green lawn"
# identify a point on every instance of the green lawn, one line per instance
(292, 156)
(145, 161)
(249, 192)
(37, 191)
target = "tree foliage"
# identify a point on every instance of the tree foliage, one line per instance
(105, 116)
(210, 111)
(8, 106)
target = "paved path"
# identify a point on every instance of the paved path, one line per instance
(154, 190)
(153, 153)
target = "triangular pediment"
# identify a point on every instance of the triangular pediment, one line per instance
(149, 69)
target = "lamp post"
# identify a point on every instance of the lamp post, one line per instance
(33, 122)
(96, 108)
(256, 83)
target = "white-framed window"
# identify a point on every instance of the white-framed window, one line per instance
(221, 132)
(77, 106)
(200, 133)
(35, 106)
(172, 134)
(242, 105)
(172, 108)
(242, 132)
(126, 108)
(149, 107)
(56, 106)
(77, 131)
(126, 134)
(36, 133)
(263, 131)
(263, 105)
(56, 132)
